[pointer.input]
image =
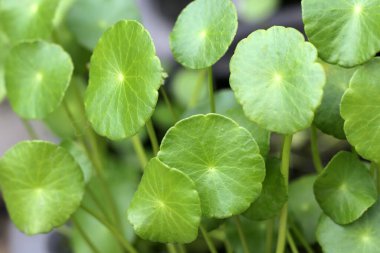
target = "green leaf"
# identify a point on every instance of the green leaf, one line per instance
(346, 32)
(203, 32)
(2, 84)
(125, 75)
(304, 210)
(42, 185)
(327, 117)
(27, 19)
(35, 86)
(254, 11)
(221, 157)
(362, 236)
(88, 19)
(360, 108)
(166, 206)
(345, 188)
(275, 77)
(273, 196)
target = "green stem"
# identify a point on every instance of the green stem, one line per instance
(208, 240)
(241, 235)
(301, 238)
(168, 103)
(140, 151)
(171, 248)
(127, 246)
(292, 245)
(182, 248)
(29, 128)
(314, 150)
(285, 159)
(211, 90)
(197, 90)
(269, 236)
(84, 235)
(152, 136)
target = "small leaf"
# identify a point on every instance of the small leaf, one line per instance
(345, 188)
(35, 86)
(88, 19)
(125, 75)
(203, 32)
(327, 117)
(360, 108)
(361, 236)
(275, 77)
(221, 158)
(166, 206)
(42, 185)
(346, 32)
(273, 195)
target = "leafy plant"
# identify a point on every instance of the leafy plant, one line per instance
(215, 181)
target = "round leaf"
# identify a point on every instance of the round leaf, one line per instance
(203, 32)
(275, 77)
(221, 157)
(88, 19)
(42, 185)
(345, 188)
(35, 86)
(346, 32)
(166, 206)
(273, 196)
(327, 117)
(362, 236)
(125, 75)
(360, 108)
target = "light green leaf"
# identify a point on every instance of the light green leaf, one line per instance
(2, 84)
(254, 11)
(42, 185)
(125, 75)
(221, 157)
(88, 19)
(346, 32)
(362, 236)
(273, 196)
(275, 77)
(166, 206)
(203, 32)
(35, 86)
(327, 117)
(27, 19)
(345, 188)
(360, 108)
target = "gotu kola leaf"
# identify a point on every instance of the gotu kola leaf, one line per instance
(125, 74)
(166, 206)
(42, 185)
(275, 77)
(360, 108)
(221, 158)
(346, 32)
(35, 86)
(203, 32)
(345, 188)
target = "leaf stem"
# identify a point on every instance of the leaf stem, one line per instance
(140, 151)
(84, 235)
(208, 240)
(29, 128)
(181, 248)
(168, 103)
(241, 234)
(152, 136)
(171, 248)
(314, 150)
(211, 90)
(197, 90)
(285, 159)
(269, 236)
(301, 238)
(292, 245)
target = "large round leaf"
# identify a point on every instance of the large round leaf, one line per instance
(327, 117)
(27, 19)
(360, 108)
(345, 188)
(42, 185)
(203, 32)
(221, 157)
(275, 77)
(88, 19)
(35, 86)
(125, 75)
(346, 32)
(166, 206)
(362, 236)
